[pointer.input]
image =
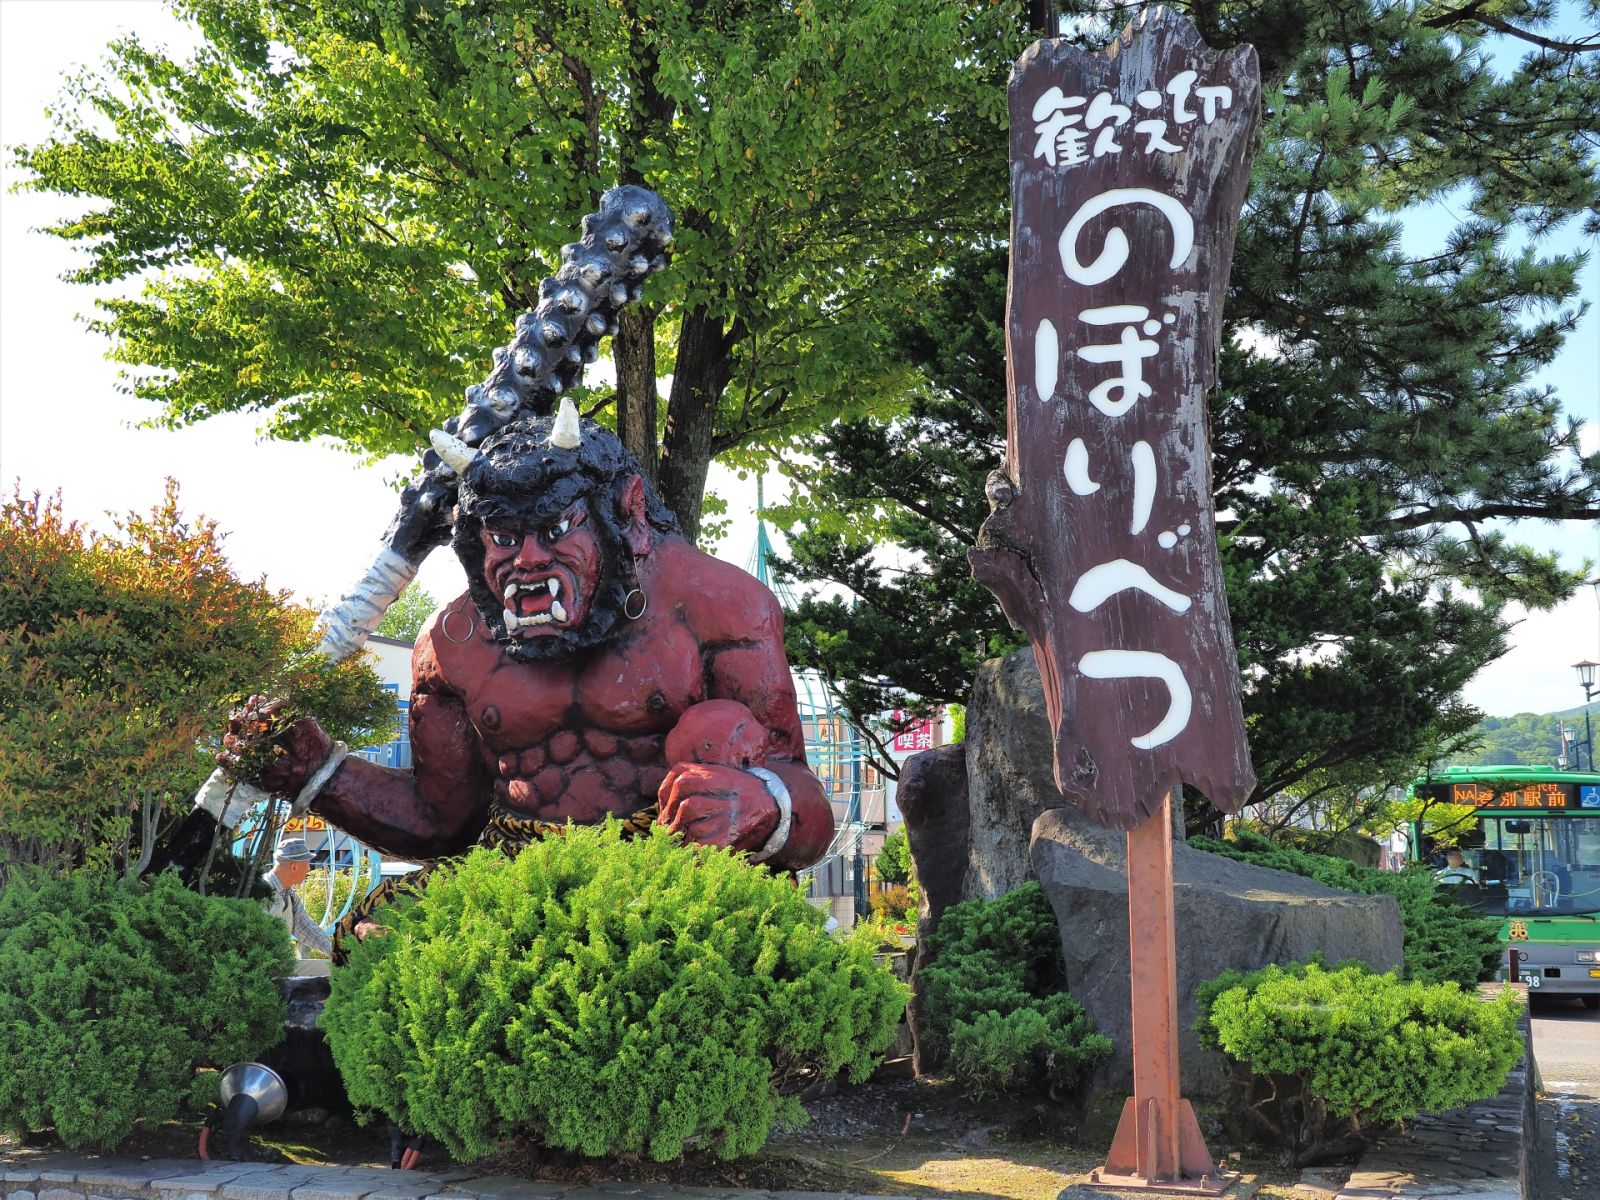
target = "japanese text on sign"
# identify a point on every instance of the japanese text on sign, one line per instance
(1530, 795)
(919, 736)
(1121, 336)
(1078, 129)
(1128, 171)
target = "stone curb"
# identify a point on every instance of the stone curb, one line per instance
(68, 1177)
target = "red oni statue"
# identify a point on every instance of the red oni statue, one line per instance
(598, 666)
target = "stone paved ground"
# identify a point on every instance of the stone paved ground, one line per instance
(1475, 1153)
(1481, 1151)
(69, 1177)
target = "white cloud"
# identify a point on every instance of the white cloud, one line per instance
(1537, 675)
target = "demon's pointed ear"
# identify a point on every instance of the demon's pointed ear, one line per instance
(634, 516)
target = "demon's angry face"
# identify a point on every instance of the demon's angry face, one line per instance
(549, 536)
(547, 576)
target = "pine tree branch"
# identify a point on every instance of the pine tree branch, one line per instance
(1474, 12)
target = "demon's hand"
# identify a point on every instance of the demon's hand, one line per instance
(423, 522)
(717, 805)
(277, 756)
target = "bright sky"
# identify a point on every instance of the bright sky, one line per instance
(308, 516)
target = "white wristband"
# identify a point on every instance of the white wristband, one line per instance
(317, 782)
(780, 794)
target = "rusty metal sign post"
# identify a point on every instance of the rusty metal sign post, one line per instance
(1129, 168)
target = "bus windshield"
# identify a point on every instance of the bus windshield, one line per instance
(1528, 863)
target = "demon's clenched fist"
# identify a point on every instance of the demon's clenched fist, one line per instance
(598, 665)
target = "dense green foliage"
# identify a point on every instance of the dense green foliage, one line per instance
(407, 615)
(1393, 294)
(996, 997)
(893, 863)
(895, 905)
(120, 657)
(1445, 941)
(1309, 1043)
(1527, 739)
(605, 996)
(115, 996)
(339, 206)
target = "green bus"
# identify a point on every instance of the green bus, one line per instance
(1531, 857)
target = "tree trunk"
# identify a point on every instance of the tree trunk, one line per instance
(635, 351)
(703, 371)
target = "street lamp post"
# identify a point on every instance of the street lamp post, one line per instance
(1586, 671)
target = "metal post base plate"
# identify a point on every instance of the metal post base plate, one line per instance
(1127, 1169)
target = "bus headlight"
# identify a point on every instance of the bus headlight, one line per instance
(1589, 956)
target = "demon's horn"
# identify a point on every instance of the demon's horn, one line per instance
(456, 454)
(564, 433)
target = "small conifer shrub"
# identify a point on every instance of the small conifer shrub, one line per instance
(1321, 1058)
(118, 1000)
(995, 999)
(604, 995)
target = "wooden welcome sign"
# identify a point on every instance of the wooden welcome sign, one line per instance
(1128, 170)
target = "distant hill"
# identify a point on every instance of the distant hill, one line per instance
(1529, 739)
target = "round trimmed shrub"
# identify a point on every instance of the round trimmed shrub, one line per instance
(115, 997)
(1320, 1058)
(604, 995)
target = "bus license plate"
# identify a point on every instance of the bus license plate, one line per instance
(1531, 978)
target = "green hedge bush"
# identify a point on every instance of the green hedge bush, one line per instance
(995, 1000)
(605, 996)
(1320, 1057)
(114, 996)
(1445, 941)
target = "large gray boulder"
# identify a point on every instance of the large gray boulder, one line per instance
(1229, 915)
(932, 796)
(1010, 780)
(970, 808)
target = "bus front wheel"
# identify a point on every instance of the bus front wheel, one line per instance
(1591, 1001)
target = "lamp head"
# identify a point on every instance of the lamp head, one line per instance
(1585, 671)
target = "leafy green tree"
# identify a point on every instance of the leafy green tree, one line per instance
(1376, 419)
(120, 657)
(338, 206)
(407, 615)
(893, 863)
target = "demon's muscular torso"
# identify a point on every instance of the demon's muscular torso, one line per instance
(578, 741)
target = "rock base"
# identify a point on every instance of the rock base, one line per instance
(1229, 915)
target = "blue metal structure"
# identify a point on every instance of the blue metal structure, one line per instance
(835, 749)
